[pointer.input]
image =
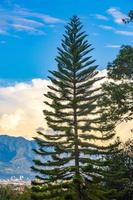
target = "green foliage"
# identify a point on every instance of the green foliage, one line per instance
(71, 164)
(25, 195)
(118, 90)
(117, 103)
(128, 161)
(116, 175)
(129, 18)
(119, 177)
(9, 193)
(122, 67)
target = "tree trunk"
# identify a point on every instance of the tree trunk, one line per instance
(78, 188)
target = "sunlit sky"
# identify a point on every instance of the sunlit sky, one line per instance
(30, 32)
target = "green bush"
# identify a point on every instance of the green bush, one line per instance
(8, 193)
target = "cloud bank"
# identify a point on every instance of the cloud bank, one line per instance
(21, 108)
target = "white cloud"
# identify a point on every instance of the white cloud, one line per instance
(117, 15)
(113, 46)
(10, 122)
(48, 19)
(20, 19)
(28, 22)
(106, 27)
(43, 17)
(29, 29)
(126, 33)
(101, 17)
(116, 31)
(21, 108)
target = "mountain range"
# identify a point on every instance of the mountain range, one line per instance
(16, 157)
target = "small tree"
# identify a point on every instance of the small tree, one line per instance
(118, 90)
(72, 165)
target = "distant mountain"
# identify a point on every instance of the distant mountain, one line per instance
(16, 157)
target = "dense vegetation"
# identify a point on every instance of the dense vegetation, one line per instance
(8, 193)
(79, 160)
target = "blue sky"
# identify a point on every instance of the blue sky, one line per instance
(30, 32)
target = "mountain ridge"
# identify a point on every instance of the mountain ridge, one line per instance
(16, 157)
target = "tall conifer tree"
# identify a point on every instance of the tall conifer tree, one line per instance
(72, 165)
